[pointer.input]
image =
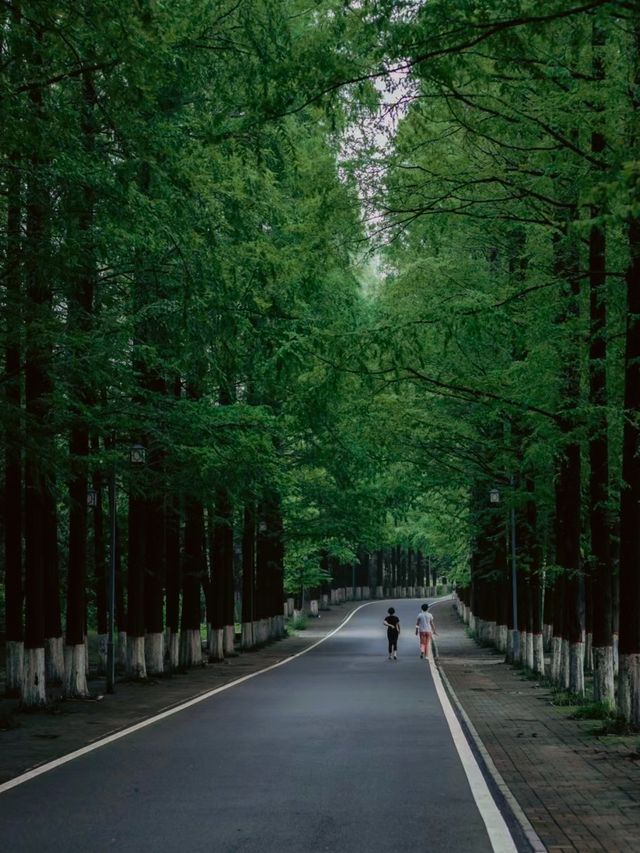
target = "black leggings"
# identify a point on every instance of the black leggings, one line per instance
(392, 636)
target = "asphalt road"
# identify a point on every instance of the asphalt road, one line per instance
(340, 750)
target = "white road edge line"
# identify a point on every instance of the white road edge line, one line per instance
(497, 829)
(70, 756)
(532, 836)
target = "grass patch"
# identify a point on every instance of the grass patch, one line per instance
(563, 699)
(614, 725)
(593, 711)
(297, 623)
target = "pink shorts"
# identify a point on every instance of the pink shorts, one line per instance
(425, 639)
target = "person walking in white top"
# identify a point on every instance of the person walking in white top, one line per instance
(425, 628)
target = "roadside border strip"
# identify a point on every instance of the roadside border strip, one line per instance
(529, 832)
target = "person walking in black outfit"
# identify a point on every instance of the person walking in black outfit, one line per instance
(392, 624)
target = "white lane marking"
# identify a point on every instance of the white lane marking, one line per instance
(497, 829)
(57, 762)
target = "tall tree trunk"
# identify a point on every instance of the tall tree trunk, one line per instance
(535, 655)
(629, 638)
(37, 402)
(223, 539)
(99, 564)
(136, 663)
(568, 557)
(173, 581)
(192, 570)
(215, 602)
(80, 324)
(172, 564)
(154, 584)
(568, 477)
(14, 438)
(599, 590)
(248, 575)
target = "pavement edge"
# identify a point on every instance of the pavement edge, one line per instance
(510, 801)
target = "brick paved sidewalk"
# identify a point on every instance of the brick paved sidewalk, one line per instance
(579, 791)
(30, 739)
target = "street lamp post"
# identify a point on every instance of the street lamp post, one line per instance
(494, 500)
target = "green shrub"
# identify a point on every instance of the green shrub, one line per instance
(297, 623)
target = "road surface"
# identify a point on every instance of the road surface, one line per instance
(339, 750)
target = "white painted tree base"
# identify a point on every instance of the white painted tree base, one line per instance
(136, 666)
(190, 647)
(379, 592)
(15, 666)
(509, 649)
(173, 649)
(616, 656)
(103, 644)
(246, 636)
(537, 644)
(32, 687)
(54, 660)
(556, 655)
(529, 652)
(229, 641)
(75, 672)
(502, 636)
(255, 629)
(565, 660)
(216, 645)
(629, 688)
(122, 653)
(523, 648)
(588, 653)
(576, 668)
(603, 677)
(154, 653)
(473, 627)
(86, 655)
(547, 636)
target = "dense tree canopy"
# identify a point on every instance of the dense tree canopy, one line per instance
(335, 272)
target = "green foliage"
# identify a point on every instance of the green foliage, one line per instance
(297, 623)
